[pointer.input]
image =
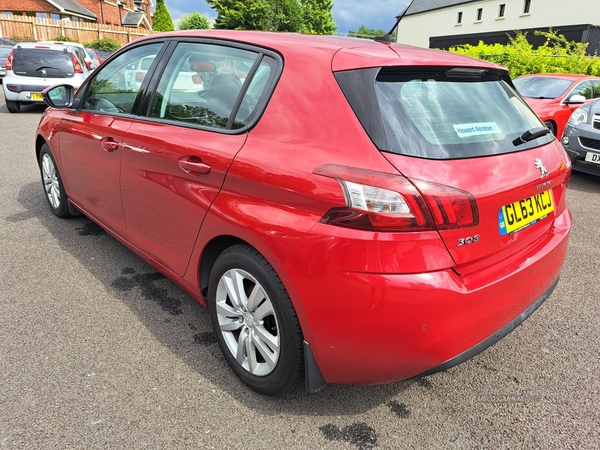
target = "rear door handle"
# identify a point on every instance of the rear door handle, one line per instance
(194, 165)
(109, 144)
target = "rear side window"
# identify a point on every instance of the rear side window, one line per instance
(445, 114)
(213, 86)
(43, 63)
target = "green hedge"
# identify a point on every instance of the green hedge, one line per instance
(556, 55)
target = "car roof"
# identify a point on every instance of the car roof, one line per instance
(562, 76)
(342, 52)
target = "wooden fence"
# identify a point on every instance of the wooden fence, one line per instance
(23, 28)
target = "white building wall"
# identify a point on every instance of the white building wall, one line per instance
(417, 29)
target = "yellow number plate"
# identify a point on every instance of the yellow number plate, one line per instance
(518, 215)
(36, 96)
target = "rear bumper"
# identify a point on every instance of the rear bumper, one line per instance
(372, 328)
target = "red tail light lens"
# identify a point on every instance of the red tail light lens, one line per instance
(76, 65)
(139, 76)
(196, 79)
(385, 202)
(450, 207)
(9, 60)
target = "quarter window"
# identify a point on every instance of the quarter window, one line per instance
(114, 89)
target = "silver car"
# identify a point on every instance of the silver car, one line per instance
(32, 67)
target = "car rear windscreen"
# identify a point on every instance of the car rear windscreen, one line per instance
(42, 63)
(439, 114)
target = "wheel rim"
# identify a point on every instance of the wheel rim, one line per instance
(51, 183)
(248, 322)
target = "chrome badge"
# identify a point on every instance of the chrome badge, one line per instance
(540, 165)
(43, 72)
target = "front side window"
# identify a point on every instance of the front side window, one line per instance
(114, 89)
(208, 85)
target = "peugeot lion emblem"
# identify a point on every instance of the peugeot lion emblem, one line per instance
(43, 72)
(539, 164)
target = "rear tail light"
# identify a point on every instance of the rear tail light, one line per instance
(9, 60)
(76, 64)
(379, 201)
(196, 79)
(139, 76)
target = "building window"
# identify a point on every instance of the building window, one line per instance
(526, 6)
(501, 10)
(479, 14)
(459, 18)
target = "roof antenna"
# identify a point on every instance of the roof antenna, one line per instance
(388, 36)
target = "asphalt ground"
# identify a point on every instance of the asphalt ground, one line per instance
(97, 350)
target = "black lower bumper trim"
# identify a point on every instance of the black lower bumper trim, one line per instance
(468, 354)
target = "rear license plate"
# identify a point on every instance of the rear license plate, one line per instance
(524, 213)
(36, 96)
(592, 157)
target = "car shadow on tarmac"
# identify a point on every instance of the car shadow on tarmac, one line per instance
(178, 321)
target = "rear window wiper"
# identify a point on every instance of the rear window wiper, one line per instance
(530, 135)
(45, 67)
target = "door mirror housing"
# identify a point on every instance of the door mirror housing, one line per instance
(576, 99)
(60, 96)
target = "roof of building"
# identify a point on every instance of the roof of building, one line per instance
(419, 6)
(132, 19)
(73, 7)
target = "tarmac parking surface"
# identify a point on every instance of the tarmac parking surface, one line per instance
(98, 350)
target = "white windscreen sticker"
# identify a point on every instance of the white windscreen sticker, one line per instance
(475, 129)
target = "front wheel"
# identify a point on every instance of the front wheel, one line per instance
(53, 187)
(13, 107)
(550, 125)
(255, 322)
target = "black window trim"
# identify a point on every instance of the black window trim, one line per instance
(261, 52)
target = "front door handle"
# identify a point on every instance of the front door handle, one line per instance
(109, 144)
(193, 165)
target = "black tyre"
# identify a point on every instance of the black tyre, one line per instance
(255, 322)
(550, 125)
(13, 107)
(53, 187)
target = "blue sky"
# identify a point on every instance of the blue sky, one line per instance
(348, 14)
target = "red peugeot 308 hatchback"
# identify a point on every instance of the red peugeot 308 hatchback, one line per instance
(349, 211)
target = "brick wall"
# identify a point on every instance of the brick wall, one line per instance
(28, 6)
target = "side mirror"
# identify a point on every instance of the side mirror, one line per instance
(576, 99)
(60, 96)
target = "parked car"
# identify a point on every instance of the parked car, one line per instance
(387, 214)
(581, 138)
(79, 48)
(93, 56)
(554, 96)
(31, 67)
(4, 52)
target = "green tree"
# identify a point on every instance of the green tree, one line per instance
(242, 14)
(287, 15)
(162, 21)
(318, 17)
(556, 55)
(105, 44)
(194, 21)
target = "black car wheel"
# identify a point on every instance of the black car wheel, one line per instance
(550, 125)
(13, 107)
(255, 322)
